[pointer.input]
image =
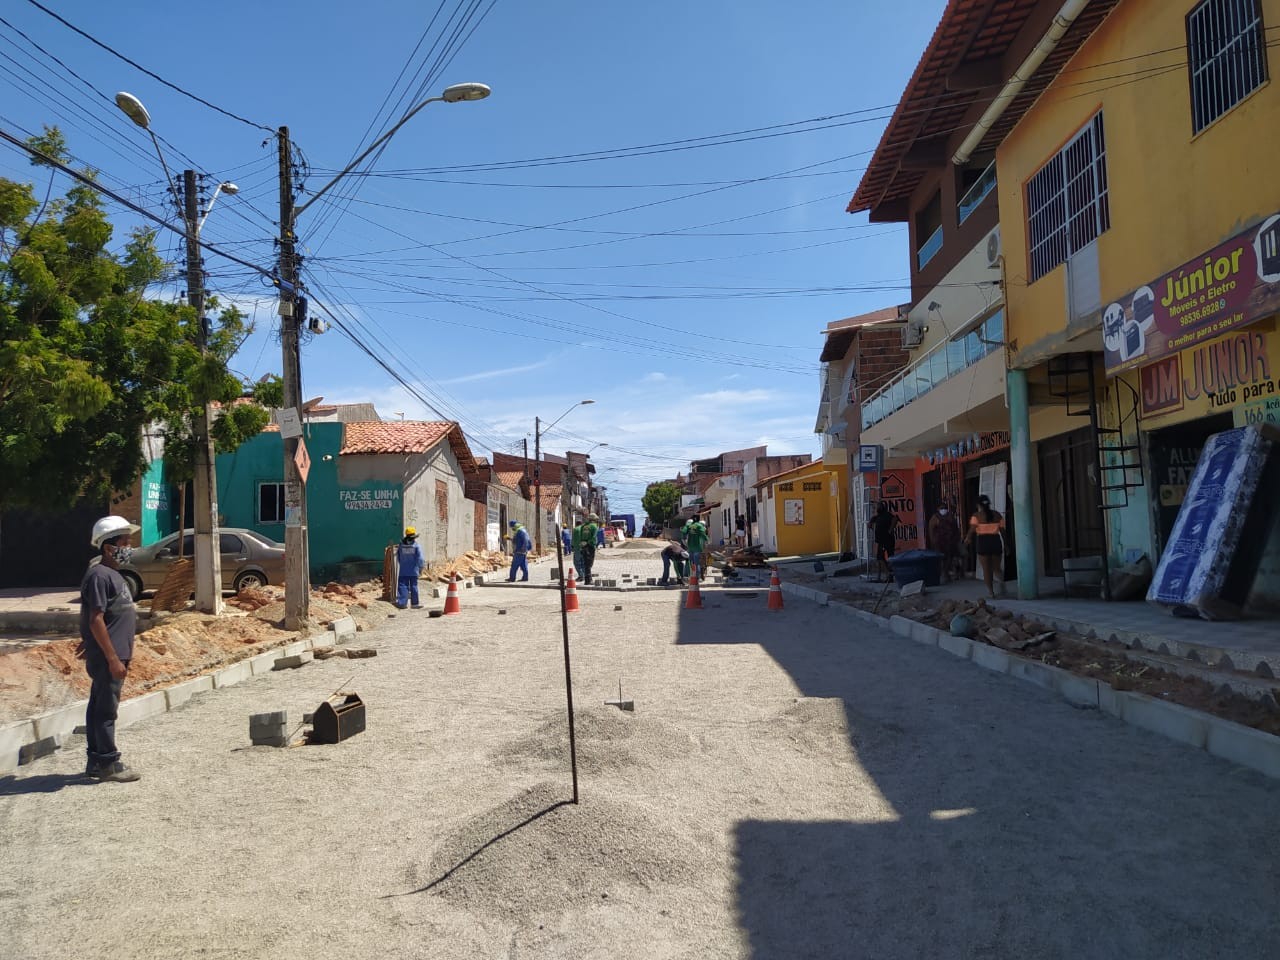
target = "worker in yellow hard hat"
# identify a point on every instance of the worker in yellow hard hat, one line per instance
(411, 561)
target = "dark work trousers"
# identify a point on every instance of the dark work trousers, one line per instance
(100, 717)
(588, 561)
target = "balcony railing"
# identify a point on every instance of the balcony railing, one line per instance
(929, 248)
(975, 194)
(938, 365)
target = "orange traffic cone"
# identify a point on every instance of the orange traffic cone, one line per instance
(693, 600)
(452, 604)
(775, 591)
(571, 594)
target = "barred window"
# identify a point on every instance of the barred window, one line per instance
(786, 487)
(811, 485)
(1067, 200)
(1226, 56)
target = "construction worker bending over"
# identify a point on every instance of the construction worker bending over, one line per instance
(411, 561)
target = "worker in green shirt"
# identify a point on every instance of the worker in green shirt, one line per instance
(695, 541)
(585, 536)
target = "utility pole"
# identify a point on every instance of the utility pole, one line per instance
(208, 558)
(537, 483)
(297, 580)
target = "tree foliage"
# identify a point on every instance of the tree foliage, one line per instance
(87, 360)
(661, 501)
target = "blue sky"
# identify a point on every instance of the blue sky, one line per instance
(682, 288)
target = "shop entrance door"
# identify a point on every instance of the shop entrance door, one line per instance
(1071, 510)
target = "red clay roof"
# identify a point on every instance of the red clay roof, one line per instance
(508, 478)
(405, 436)
(970, 31)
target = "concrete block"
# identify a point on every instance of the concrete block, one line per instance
(180, 693)
(990, 658)
(230, 676)
(1244, 745)
(1110, 701)
(293, 662)
(958, 646)
(139, 708)
(61, 722)
(901, 626)
(37, 749)
(270, 729)
(1167, 719)
(913, 589)
(1033, 671)
(263, 663)
(293, 649)
(344, 629)
(436, 592)
(320, 641)
(1076, 689)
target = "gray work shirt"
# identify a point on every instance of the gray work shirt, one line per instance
(104, 589)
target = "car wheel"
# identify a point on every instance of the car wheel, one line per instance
(249, 580)
(134, 583)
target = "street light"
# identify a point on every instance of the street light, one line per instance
(297, 587)
(537, 467)
(208, 558)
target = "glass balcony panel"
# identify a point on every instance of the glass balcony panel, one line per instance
(976, 193)
(929, 248)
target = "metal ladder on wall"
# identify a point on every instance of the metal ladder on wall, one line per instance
(1117, 460)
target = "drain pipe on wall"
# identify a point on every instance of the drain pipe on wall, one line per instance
(1062, 22)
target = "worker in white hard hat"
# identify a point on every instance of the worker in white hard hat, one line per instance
(108, 622)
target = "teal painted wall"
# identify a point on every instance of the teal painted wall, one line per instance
(345, 524)
(158, 516)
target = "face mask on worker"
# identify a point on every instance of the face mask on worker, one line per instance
(943, 511)
(121, 555)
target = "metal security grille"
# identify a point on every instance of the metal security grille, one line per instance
(1226, 56)
(1067, 200)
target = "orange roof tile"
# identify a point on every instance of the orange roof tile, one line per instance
(508, 478)
(405, 436)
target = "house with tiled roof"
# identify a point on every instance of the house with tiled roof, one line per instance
(367, 480)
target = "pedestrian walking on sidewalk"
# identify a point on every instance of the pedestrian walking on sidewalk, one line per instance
(521, 544)
(673, 554)
(882, 527)
(944, 537)
(985, 527)
(108, 623)
(411, 561)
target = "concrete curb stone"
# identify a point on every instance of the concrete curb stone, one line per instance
(230, 676)
(991, 658)
(1167, 719)
(12, 739)
(900, 626)
(344, 629)
(60, 722)
(180, 693)
(959, 646)
(139, 708)
(1244, 745)
(263, 663)
(1033, 671)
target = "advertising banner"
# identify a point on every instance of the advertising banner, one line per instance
(1234, 284)
(1237, 373)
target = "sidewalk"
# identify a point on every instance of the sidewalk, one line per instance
(1248, 645)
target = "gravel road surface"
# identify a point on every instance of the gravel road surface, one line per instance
(790, 785)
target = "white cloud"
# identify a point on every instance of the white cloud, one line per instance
(499, 372)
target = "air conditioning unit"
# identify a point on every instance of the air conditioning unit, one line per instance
(994, 249)
(913, 335)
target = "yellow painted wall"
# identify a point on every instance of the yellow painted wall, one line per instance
(1172, 196)
(824, 510)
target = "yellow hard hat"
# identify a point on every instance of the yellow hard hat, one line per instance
(410, 532)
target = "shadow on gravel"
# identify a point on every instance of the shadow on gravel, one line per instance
(479, 850)
(44, 783)
(1008, 823)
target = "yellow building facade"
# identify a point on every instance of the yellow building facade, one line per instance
(1140, 234)
(810, 505)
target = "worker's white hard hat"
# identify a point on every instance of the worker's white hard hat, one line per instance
(109, 527)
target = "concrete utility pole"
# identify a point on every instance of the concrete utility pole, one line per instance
(208, 558)
(297, 575)
(537, 484)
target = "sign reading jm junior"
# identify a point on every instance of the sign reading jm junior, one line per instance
(1234, 284)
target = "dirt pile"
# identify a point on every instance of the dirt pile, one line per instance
(466, 566)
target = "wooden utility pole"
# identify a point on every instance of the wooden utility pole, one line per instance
(208, 558)
(297, 580)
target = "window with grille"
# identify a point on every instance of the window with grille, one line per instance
(786, 487)
(811, 486)
(1067, 200)
(1226, 56)
(271, 503)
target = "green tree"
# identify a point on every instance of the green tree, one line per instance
(661, 501)
(87, 361)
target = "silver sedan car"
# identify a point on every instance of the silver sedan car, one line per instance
(249, 559)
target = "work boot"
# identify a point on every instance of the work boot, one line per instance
(115, 772)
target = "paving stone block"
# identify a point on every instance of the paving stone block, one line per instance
(344, 629)
(180, 693)
(990, 658)
(263, 663)
(139, 708)
(230, 676)
(959, 646)
(1167, 719)
(1244, 745)
(61, 722)
(293, 662)
(270, 729)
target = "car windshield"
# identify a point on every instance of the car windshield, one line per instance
(260, 538)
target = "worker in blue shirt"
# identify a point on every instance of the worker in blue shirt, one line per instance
(521, 544)
(409, 557)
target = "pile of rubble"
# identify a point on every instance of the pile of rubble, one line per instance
(466, 566)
